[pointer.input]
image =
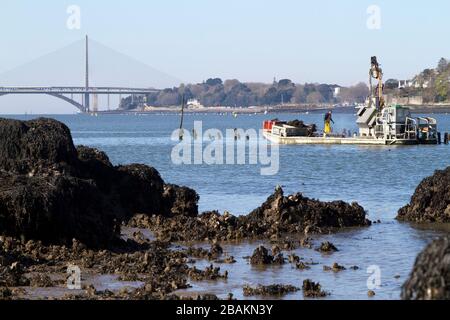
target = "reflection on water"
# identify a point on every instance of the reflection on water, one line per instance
(381, 179)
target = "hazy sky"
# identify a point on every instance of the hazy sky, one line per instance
(251, 40)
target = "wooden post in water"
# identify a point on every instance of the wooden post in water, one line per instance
(439, 138)
(446, 138)
(182, 118)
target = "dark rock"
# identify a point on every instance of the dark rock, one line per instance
(55, 209)
(327, 247)
(180, 201)
(278, 259)
(312, 289)
(207, 297)
(52, 192)
(229, 260)
(275, 250)
(210, 273)
(430, 277)
(13, 275)
(94, 164)
(302, 266)
(216, 250)
(93, 156)
(335, 268)
(140, 189)
(136, 188)
(162, 270)
(293, 258)
(261, 256)
(296, 213)
(201, 253)
(291, 215)
(26, 147)
(431, 200)
(272, 290)
(5, 293)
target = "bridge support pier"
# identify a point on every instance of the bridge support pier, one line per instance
(87, 106)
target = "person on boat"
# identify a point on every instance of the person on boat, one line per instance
(328, 120)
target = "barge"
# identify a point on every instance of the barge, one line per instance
(377, 124)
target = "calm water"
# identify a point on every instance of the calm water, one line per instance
(381, 179)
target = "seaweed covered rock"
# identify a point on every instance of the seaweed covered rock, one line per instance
(93, 157)
(44, 192)
(55, 208)
(30, 146)
(272, 290)
(279, 214)
(180, 201)
(140, 189)
(297, 213)
(312, 289)
(261, 256)
(430, 277)
(431, 200)
(327, 247)
(133, 188)
(53, 192)
(160, 269)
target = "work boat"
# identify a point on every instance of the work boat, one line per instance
(377, 124)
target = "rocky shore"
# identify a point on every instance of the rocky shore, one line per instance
(431, 200)
(54, 192)
(430, 277)
(279, 215)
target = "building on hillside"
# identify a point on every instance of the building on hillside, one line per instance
(336, 92)
(194, 104)
(402, 84)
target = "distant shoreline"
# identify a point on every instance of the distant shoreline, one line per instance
(441, 109)
(269, 110)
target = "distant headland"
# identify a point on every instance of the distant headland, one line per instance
(429, 90)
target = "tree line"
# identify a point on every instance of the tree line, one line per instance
(233, 93)
(432, 84)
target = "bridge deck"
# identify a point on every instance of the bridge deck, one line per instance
(76, 90)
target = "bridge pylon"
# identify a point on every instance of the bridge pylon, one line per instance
(86, 95)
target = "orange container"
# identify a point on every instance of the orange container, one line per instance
(267, 125)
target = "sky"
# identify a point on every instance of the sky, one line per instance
(324, 41)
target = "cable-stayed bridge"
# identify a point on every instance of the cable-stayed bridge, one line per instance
(68, 93)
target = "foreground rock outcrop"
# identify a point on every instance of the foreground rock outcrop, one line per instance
(430, 277)
(296, 213)
(54, 192)
(431, 200)
(161, 269)
(278, 215)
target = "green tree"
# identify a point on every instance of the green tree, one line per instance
(442, 65)
(442, 88)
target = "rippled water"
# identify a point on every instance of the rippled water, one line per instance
(381, 179)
